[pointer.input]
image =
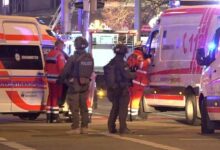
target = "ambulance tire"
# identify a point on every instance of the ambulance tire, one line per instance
(191, 110)
(28, 116)
(207, 127)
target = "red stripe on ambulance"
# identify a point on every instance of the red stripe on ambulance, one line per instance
(18, 101)
(165, 97)
(213, 109)
(14, 37)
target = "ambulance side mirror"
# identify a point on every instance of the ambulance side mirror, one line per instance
(200, 57)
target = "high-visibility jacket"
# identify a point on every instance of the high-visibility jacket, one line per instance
(55, 62)
(136, 60)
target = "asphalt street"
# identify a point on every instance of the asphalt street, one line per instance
(162, 131)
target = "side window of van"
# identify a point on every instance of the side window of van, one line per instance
(153, 43)
(213, 50)
(21, 57)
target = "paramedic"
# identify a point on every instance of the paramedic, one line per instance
(55, 62)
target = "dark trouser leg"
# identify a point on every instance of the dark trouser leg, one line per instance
(113, 116)
(73, 102)
(84, 109)
(63, 95)
(123, 109)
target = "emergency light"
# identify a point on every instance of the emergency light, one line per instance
(211, 46)
(199, 2)
(174, 3)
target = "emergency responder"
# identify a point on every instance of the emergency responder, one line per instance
(138, 62)
(77, 92)
(119, 96)
(55, 62)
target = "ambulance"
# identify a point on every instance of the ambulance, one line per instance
(209, 98)
(23, 85)
(174, 72)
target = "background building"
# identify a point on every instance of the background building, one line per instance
(29, 7)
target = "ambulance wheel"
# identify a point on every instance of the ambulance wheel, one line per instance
(28, 116)
(207, 127)
(191, 110)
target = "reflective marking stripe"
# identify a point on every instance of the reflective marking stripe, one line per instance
(90, 110)
(138, 83)
(52, 59)
(14, 145)
(133, 112)
(141, 64)
(53, 110)
(52, 75)
(142, 71)
(143, 142)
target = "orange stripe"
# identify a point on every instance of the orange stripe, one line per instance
(47, 37)
(165, 97)
(17, 37)
(1, 36)
(18, 101)
(22, 37)
(4, 73)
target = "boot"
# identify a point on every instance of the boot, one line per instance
(74, 131)
(84, 130)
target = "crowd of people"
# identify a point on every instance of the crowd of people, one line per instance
(70, 76)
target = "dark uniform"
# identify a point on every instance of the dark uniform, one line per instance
(77, 93)
(120, 95)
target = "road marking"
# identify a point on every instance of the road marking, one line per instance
(182, 139)
(2, 139)
(14, 145)
(144, 142)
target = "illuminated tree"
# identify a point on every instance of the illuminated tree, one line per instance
(122, 16)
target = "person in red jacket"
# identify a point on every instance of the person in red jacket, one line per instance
(139, 64)
(55, 62)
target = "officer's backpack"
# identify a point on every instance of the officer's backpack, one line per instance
(83, 66)
(110, 75)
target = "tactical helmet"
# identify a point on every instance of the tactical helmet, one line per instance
(120, 49)
(80, 43)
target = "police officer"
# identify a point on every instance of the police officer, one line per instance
(55, 62)
(119, 96)
(77, 93)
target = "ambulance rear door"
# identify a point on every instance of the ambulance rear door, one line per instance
(29, 88)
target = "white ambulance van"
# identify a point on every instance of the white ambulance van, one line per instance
(174, 73)
(23, 85)
(209, 58)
